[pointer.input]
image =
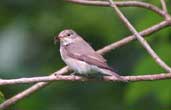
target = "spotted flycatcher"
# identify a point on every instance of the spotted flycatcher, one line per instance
(80, 56)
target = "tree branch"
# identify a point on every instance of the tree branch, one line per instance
(161, 76)
(165, 12)
(163, 3)
(143, 42)
(121, 4)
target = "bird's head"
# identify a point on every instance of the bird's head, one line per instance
(66, 37)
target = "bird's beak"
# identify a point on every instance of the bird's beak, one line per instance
(56, 39)
(59, 37)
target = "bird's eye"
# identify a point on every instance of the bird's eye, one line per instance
(69, 34)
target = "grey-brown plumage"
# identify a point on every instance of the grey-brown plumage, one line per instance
(80, 56)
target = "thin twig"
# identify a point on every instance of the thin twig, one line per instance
(165, 12)
(163, 4)
(161, 76)
(143, 42)
(120, 4)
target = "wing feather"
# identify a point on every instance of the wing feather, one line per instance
(91, 58)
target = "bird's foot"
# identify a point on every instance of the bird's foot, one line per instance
(73, 75)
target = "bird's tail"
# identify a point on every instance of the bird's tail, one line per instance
(111, 73)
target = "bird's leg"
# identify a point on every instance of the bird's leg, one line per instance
(73, 74)
(56, 74)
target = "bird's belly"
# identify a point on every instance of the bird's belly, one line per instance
(79, 66)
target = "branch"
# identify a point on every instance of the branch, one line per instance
(165, 12)
(163, 3)
(143, 42)
(25, 93)
(161, 76)
(121, 4)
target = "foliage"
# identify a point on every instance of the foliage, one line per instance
(1, 97)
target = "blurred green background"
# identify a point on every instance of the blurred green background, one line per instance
(27, 28)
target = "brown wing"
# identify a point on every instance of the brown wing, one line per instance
(83, 48)
(92, 60)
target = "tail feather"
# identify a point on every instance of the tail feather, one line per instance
(111, 73)
(118, 76)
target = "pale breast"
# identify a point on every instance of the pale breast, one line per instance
(79, 66)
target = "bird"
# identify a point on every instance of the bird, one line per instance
(81, 57)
